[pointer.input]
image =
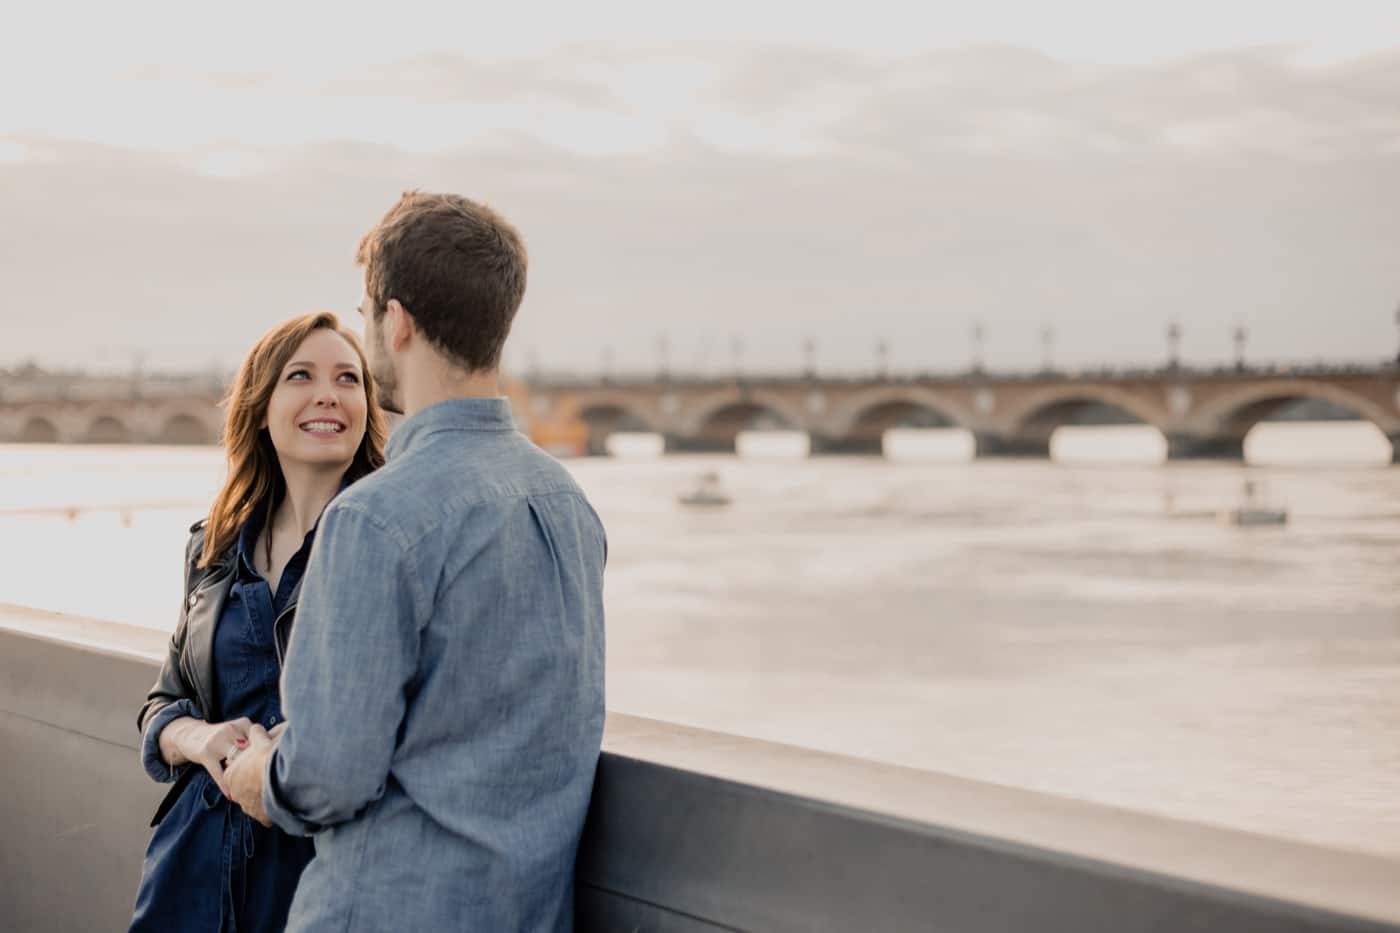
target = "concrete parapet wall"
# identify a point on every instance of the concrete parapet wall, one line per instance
(689, 830)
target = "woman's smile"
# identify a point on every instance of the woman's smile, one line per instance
(326, 427)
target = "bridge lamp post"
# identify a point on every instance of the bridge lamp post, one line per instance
(809, 358)
(1241, 336)
(1047, 345)
(663, 358)
(736, 353)
(138, 363)
(882, 360)
(1173, 346)
(1397, 327)
(979, 336)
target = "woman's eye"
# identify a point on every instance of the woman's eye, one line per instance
(350, 378)
(298, 374)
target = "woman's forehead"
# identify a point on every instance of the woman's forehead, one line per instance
(328, 348)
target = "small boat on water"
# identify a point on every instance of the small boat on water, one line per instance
(1253, 511)
(706, 494)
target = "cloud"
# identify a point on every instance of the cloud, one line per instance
(608, 97)
(447, 76)
(1246, 101)
(989, 184)
(1016, 100)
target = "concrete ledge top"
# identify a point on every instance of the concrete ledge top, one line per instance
(1351, 883)
(1348, 883)
(131, 641)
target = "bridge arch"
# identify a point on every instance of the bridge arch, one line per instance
(38, 430)
(714, 422)
(1069, 404)
(703, 410)
(1029, 428)
(107, 429)
(860, 423)
(1236, 412)
(890, 403)
(185, 428)
(606, 416)
(1229, 419)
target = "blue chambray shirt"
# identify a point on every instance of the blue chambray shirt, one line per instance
(444, 686)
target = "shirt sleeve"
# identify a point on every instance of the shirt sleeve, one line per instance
(353, 652)
(151, 758)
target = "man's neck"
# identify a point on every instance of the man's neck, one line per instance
(428, 386)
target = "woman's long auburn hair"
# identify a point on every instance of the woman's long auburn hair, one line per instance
(254, 473)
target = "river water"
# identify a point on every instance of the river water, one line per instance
(1083, 627)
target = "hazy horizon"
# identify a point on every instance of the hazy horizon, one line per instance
(745, 175)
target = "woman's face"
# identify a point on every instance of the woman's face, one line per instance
(316, 415)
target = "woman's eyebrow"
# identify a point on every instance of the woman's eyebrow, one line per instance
(307, 364)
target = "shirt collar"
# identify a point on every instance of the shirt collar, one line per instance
(458, 414)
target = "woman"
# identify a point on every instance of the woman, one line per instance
(302, 423)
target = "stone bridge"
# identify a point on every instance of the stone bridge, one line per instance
(187, 419)
(1202, 414)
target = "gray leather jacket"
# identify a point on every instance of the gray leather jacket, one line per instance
(188, 669)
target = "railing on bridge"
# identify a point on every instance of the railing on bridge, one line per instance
(688, 830)
(1308, 369)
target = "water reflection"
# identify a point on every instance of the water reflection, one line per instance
(1357, 443)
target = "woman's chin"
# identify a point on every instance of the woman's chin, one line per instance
(320, 459)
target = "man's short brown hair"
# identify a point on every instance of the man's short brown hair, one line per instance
(457, 266)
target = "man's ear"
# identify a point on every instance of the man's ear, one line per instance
(401, 329)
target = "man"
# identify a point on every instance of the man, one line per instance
(444, 683)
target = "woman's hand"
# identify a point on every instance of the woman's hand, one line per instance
(206, 744)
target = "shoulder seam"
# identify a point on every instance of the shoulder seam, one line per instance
(372, 519)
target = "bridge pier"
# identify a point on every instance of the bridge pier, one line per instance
(1204, 447)
(865, 446)
(1006, 445)
(699, 444)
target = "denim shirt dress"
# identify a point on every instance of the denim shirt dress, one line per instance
(209, 866)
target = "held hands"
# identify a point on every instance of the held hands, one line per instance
(243, 780)
(209, 744)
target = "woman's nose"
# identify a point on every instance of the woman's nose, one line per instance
(326, 399)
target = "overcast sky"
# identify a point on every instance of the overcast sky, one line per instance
(173, 182)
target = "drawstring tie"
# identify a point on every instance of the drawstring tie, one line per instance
(237, 841)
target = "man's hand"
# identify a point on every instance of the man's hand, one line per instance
(243, 776)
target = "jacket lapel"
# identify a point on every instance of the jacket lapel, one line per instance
(207, 602)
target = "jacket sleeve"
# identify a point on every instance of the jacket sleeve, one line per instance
(171, 696)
